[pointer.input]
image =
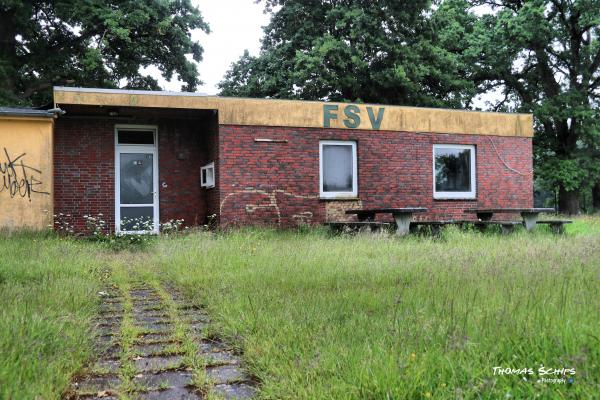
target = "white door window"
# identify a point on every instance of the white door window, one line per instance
(136, 179)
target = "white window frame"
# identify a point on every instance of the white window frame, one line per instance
(457, 195)
(207, 183)
(136, 148)
(338, 195)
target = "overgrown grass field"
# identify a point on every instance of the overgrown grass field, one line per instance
(321, 316)
(47, 298)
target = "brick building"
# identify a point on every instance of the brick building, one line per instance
(161, 156)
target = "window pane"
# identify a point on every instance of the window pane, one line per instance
(337, 168)
(136, 178)
(136, 218)
(452, 170)
(210, 178)
(136, 137)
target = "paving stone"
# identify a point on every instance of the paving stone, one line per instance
(148, 319)
(146, 300)
(96, 383)
(171, 378)
(226, 374)
(110, 308)
(153, 336)
(111, 352)
(156, 363)
(235, 391)
(143, 293)
(107, 329)
(220, 358)
(103, 341)
(147, 309)
(198, 326)
(179, 393)
(151, 313)
(157, 328)
(109, 300)
(210, 346)
(107, 365)
(108, 319)
(153, 348)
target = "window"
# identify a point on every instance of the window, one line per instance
(454, 171)
(338, 170)
(135, 136)
(207, 175)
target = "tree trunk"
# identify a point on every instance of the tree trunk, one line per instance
(596, 196)
(8, 56)
(568, 201)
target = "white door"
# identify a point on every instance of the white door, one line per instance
(136, 179)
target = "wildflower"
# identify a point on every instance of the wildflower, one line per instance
(413, 356)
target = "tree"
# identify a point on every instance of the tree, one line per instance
(101, 43)
(383, 51)
(545, 56)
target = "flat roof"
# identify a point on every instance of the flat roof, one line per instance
(310, 114)
(25, 112)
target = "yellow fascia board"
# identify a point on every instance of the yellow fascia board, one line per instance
(311, 114)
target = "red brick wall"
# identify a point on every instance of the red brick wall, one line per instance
(84, 152)
(278, 183)
(84, 168)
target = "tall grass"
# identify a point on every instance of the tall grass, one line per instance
(382, 317)
(47, 296)
(321, 316)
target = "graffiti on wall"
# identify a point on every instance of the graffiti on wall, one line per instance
(18, 178)
(302, 217)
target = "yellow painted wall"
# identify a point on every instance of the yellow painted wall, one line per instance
(26, 172)
(310, 114)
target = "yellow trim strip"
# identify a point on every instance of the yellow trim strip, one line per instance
(312, 114)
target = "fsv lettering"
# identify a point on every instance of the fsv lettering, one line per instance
(352, 116)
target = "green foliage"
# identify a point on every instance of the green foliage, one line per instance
(94, 43)
(381, 51)
(544, 56)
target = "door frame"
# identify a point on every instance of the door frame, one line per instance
(136, 148)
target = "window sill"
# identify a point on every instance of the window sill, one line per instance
(340, 198)
(455, 199)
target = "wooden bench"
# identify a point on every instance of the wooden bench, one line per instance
(556, 225)
(358, 226)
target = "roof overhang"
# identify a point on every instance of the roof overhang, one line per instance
(28, 114)
(310, 114)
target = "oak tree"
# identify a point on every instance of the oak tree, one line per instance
(99, 43)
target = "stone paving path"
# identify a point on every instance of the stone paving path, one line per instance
(151, 345)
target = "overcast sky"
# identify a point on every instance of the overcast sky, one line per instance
(235, 25)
